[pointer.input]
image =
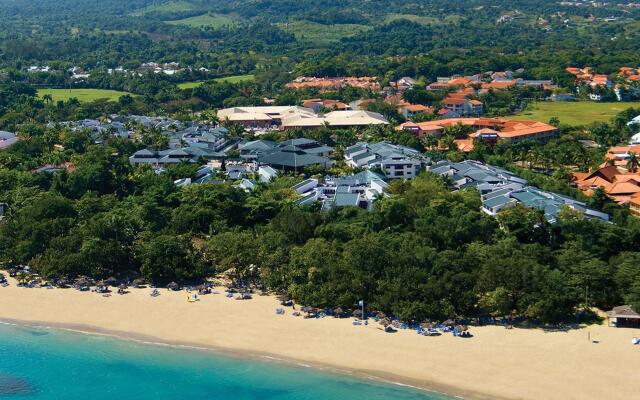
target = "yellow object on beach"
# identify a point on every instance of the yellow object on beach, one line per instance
(192, 298)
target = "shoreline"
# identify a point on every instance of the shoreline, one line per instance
(498, 364)
(145, 340)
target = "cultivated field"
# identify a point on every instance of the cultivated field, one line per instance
(169, 7)
(84, 95)
(207, 20)
(574, 112)
(230, 79)
(322, 34)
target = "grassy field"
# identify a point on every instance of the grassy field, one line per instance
(169, 7)
(230, 79)
(84, 95)
(213, 20)
(413, 18)
(322, 34)
(574, 113)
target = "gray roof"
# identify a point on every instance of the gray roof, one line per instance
(291, 159)
(346, 199)
(499, 186)
(257, 145)
(361, 178)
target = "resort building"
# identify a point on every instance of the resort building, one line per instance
(501, 189)
(254, 149)
(290, 117)
(411, 110)
(616, 182)
(267, 174)
(168, 157)
(262, 117)
(318, 104)
(296, 154)
(365, 82)
(463, 106)
(620, 154)
(206, 136)
(489, 129)
(359, 190)
(588, 76)
(393, 160)
(335, 119)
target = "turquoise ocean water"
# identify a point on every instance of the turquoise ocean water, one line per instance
(51, 364)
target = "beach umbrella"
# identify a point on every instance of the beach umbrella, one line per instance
(357, 313)
(284, 297)
(449, 322)
(426, 326)
(338, 312)
(62, 283)
(385, 322)
(461, 328)
(123, 286)
(111, 281)
(173, 286)
(82, 281)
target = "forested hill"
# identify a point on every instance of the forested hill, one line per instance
(465, 35)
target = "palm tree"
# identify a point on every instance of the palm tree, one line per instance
(633, 162)
(447, 141)
(47, 98)
(430, 141)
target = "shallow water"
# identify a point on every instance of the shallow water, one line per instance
(55, 364)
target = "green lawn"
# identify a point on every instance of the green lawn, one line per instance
(322, 34)
(230, 79)
(574, 112)
(204, 20)
(84, 95)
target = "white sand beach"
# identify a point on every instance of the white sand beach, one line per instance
(496, 363)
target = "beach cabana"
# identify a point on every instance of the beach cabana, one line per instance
(623, 317)
(138, 283)
(111, 281)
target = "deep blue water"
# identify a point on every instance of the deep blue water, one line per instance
(53, 364)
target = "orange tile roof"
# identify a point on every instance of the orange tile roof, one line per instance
(453, 101)
(506, 129)
(464, 145)
(458, 95)
(616, 183)
(419, 108)
(499, 85)
(459, 82)
(573, 70)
